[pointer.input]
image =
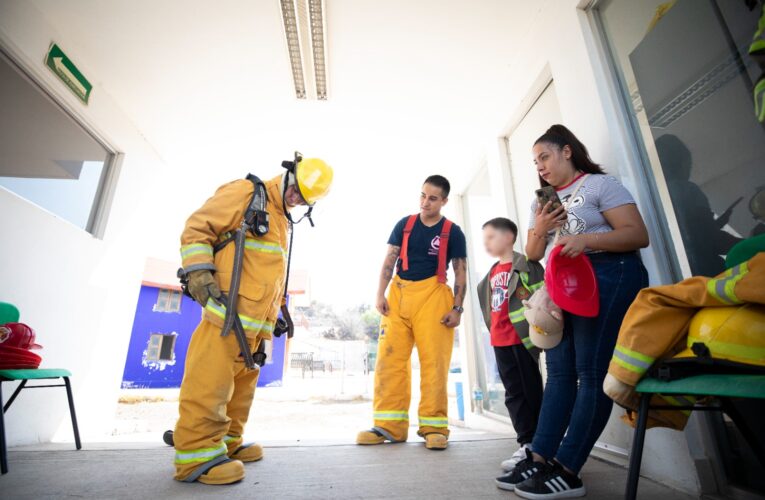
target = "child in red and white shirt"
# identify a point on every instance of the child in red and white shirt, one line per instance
(512, 279)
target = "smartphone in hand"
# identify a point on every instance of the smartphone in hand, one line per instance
(546, 194)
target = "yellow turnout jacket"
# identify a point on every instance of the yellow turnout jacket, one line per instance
(656, 324)
(263, 271)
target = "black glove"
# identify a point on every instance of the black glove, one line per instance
(284, 324)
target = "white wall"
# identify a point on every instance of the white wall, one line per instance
(76, 291)
(559, 45)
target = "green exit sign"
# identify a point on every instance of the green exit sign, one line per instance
(64, 68)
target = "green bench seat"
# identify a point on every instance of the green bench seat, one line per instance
(721, 387)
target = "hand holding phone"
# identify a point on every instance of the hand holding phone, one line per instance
(548, 194)
(551, 214)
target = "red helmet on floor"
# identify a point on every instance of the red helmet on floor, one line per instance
(18, 335)
(571, 283)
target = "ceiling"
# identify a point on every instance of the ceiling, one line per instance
(411, 83)
(415, 87)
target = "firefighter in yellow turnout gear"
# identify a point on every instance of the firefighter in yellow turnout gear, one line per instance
(420, 310)
(218, 388)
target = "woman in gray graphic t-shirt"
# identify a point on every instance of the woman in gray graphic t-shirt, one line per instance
(602, 221)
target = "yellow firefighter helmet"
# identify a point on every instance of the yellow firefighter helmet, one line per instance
(313, 178)
(733, 333)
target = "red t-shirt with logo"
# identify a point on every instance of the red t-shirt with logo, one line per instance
(502, 330)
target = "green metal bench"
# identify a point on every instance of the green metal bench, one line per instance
(24, 376)
(722, 387)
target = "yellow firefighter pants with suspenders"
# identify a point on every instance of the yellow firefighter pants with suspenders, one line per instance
(416, 309)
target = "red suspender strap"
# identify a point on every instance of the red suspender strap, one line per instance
(405, 242)
(443, 249)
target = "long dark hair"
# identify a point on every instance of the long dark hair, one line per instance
(560, 136)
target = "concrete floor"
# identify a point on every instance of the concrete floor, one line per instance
(403, 471)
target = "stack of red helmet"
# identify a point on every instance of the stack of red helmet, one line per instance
(16, 342)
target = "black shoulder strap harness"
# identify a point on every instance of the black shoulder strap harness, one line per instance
(255, 220)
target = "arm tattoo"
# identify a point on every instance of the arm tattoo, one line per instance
(460, 278)
(389, 265)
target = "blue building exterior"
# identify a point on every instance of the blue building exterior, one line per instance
(162, 328)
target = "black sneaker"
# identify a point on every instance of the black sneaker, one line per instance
(552, 481)
(523, 470)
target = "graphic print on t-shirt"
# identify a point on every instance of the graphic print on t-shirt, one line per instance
(499, 290)
(574, 224)
(502, 331)
(435, 245)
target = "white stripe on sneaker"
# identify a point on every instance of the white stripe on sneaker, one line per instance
(561, 482)
(553, 488)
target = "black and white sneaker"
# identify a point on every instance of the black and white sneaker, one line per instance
(552, 481)
(522, 471)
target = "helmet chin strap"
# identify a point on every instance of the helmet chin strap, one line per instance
(290, 166)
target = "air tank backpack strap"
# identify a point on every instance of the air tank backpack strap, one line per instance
(256, 220)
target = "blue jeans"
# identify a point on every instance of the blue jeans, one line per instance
(575, 409)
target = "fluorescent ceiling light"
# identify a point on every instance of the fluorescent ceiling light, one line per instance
(305, 34)
(292, 35)
(318, 45)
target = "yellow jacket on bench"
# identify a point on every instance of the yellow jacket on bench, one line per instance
(656, 325)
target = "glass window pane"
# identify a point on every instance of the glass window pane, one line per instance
(45, 156)
(175, 301)
(478, 209)
(688, 79)
(166, 349)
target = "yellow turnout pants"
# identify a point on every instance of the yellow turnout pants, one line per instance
(216, 395)
(416, 309)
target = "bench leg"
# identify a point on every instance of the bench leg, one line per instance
(72, 413)
(3, 450)
(636, 454)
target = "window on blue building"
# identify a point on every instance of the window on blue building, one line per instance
(161, 347)
(168, 300)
